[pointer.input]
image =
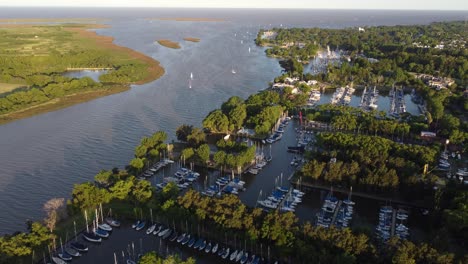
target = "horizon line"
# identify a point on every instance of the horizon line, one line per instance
(261, 8)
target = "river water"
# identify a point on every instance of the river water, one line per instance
(43, 156)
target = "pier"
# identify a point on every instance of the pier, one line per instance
(392, 230)
(335, 213)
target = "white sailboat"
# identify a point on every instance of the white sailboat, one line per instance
(249, 49)
(191, 76)
(233, 71)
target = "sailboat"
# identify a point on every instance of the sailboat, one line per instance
(90, 236)
(191, 76)
(249, 49)
(233, 71)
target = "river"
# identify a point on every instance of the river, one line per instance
(43, 156)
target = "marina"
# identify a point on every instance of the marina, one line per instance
(369, 99)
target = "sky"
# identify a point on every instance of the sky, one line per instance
(331, 4)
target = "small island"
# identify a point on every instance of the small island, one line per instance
(169, 44)
(192, 39)
(54, 50)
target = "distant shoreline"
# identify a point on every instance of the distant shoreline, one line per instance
(188, 19)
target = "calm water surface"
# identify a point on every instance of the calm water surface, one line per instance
(43, 156)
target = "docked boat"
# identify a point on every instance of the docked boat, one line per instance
(91, 237)
(202, 245)
(164, 232)
(65, 256)
(167, 234)
(208, 248)
(78, 246)
(244, 258)
(191, 242)
(57, 260)
(134, 225)
(233, 255)
(102, 233)
(226, 253)
(140, 226)
(215, 249)
(72, 252)
(157, 230)
(174, 236)
(151, 229)
(239, 255)
(112, 222)
(181, 237)
(105, 227)
(186, 240)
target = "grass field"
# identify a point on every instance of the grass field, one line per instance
(7, 87)
(169, 44)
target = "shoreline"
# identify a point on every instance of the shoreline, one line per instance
(188, 19)
(60, 103)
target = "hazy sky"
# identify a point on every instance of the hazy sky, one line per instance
(337, 4)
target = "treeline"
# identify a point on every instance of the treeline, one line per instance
(372, 162)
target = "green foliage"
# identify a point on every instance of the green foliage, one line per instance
(87, 195)
(216, 122)
(142, 191)
(187, 153)
(103, 177)
(22, 244)
(152, 258)
(196, 137)
(183, 131)
(203, 153)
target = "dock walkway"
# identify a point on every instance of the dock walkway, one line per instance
(335, 214)
(392, 232)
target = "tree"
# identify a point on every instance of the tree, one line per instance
(187, 153)
(87, 195)
(140, 151)
(183, 132)
(237, 116)
(142, 191)
(196, 137)
(121, 189)
(103, 178)
(219, 158)
(203, 153)
(216, 121)
(137, 164)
